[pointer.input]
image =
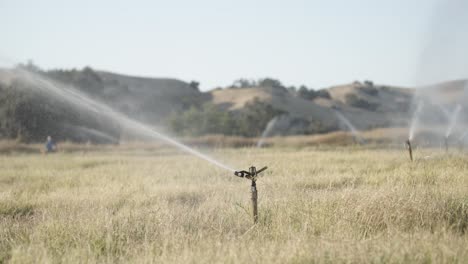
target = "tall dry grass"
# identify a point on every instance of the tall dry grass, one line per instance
(379, 137)
(348, 205)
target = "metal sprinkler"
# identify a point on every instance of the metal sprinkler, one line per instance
(252, 175)
(461, 141)
(410, 149)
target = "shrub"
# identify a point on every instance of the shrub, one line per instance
(370, 90)
(209, 119)
(355, 101)
(311, 94)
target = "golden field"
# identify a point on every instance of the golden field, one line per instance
(124, 204)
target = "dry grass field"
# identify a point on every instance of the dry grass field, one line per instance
(327, 205)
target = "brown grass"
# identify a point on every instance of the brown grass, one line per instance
(386, 137)
(342, 205)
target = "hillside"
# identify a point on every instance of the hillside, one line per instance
(366, 105)
(235, 99)
(157, 100)
(446, 93)
(369, 106)
(146, 99)
(27, 112)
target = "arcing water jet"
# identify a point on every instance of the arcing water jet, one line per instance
(452, 123)
(444, 111)
(78, 99)
(415, 120)
(348, 124)
(268, 129)
(461, 140)
(453, 120)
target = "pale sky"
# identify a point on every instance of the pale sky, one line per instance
(313, 42)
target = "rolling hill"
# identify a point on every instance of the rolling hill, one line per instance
(366, 105)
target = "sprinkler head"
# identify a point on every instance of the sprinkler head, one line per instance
(251, 174)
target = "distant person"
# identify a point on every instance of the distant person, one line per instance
(50, 145)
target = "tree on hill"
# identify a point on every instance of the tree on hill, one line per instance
(310, 94)
(29, 66)
(368, 83)
(208, 119)
(304, 93)
(248, 83)
(270, 82)
(87, 80)
(355, 101)
(244, 83)
(195, 85)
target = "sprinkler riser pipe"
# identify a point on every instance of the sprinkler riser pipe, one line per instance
(253, 189)
(252, 176)
(410, 149)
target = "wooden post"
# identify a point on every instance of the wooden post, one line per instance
(253, 172)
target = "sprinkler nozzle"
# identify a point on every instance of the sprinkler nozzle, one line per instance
(251, 174)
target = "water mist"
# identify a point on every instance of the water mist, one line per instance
(81, 101)
(350, 126)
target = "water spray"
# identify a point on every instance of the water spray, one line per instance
(452, 124)
(444, 111)
(461, 140)
(410, 149)
(356, 134)
(413, 126)
(81, 101)
(415, 120)
(268, 129)
(453, 120)
(252, 175)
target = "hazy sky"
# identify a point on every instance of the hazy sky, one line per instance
(317, 43)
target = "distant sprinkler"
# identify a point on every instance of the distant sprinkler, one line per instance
(446, 143)
(461, 141)
(461, 145)
(252, 175)
(410, 149)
